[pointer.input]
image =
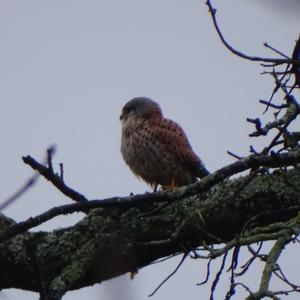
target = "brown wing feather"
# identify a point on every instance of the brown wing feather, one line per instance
(176, 142)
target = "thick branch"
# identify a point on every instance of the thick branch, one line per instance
(112, 241)
(252, 161)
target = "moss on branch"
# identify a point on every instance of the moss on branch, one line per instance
(112, 241)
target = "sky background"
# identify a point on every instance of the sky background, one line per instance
(67, 68)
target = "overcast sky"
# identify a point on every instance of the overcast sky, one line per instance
(66, 69)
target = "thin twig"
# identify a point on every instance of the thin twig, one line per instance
(169, 276)
(27, 185)
(276, 51)
(55, 179)
(61, 174)
(234, 155)
(207, 273)
(217, 277)
(281, 106)
(247, 265)
(213, 12)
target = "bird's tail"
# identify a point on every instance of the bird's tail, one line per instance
(201, 170)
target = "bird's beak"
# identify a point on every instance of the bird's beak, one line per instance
(121, 117)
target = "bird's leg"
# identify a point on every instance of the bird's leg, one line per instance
(171, 185)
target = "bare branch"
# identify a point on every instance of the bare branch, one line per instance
(217, 277)
(270, 267)
(291, 113)
(276, 51)
(27, 185)
(296, 66)
(169, 276)
(55, 179)
(276, 61)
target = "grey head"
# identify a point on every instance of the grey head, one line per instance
(140, 107)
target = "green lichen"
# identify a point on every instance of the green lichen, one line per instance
(74, 271)
(17, 248)
(58, 286)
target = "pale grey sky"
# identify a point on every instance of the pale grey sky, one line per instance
(66, 69)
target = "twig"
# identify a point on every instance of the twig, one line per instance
(50, 152)
(61, 175)
(234, 155)
(253, 151)
(276, 61)
(207, 273)
(273, 105)
(280, 124)
(217, 277)
(247, 265)
(243, 286)
(169, 276)
(55, 179)
(158, 261)
(271, 262)
(27, 185)
(296, 67)
(279, 273)
(233, 266)
(275, 50)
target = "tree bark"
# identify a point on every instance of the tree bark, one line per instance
(112, 241)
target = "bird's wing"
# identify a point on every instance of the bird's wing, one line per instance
(173, 138)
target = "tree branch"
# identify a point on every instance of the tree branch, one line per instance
(115, 240)
(252, 161)
(55, 179)
(276, 61)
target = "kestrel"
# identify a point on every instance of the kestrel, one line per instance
(155, 148)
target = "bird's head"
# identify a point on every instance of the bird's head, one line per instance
(140, 107)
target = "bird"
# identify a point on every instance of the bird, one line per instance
(155, 148)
